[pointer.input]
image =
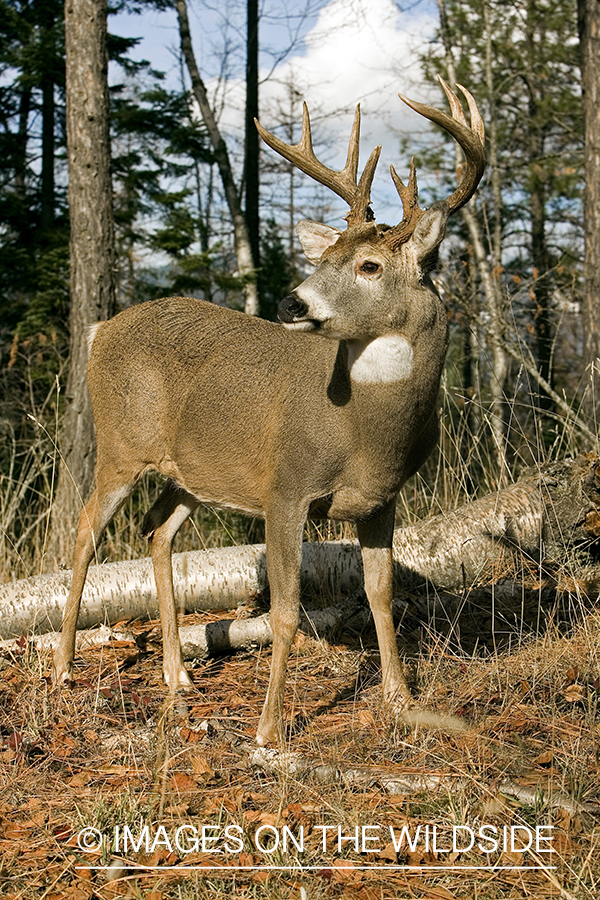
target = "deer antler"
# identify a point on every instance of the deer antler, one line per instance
(343, 183)
(471, 139)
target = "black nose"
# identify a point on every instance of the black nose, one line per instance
(291, 308)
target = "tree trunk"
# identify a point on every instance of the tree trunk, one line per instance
(540, 293)
(48, 131)
(241, 238)
(251, 160)
(589, 36)
(543, 528)
(491, 287)
(21, 148)
(47, 192)
(91, 251)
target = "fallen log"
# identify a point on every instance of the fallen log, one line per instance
(545, 526)
(227, 635)
(309, 770)
(204, 579)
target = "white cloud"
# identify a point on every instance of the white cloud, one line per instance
(359, 51)
(355, 51)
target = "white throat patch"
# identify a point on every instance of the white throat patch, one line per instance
(381, 361)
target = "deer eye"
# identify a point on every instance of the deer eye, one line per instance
(369, 267)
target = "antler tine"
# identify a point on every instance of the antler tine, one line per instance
(471, 139)
(476, 121)
(342, 183)
(407, 193)
(412, 212)
(456, 109)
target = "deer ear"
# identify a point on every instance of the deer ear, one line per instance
(430, 231)
(316, 238)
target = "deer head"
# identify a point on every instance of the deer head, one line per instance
(366, 259)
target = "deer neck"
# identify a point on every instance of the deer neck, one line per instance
(383, 360)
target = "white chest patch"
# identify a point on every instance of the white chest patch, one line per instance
(381, 361)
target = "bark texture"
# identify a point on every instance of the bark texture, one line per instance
(589, 38)
(206, 579)
(251, 154)
(546, 524)
(91, 252)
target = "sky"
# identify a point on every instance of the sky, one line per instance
(338, 54)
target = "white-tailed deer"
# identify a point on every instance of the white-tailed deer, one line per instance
(327, 416)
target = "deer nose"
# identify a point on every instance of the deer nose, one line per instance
(291, 308)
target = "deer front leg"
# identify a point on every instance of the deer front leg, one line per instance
(284, 554)
(375, 536)
(161, 524)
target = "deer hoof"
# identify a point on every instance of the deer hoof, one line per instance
(398, 696)
(62, 671)
(267, 734)
(179, 680)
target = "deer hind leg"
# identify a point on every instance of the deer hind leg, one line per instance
(103, 505)
(375, 536)
(284, 554)
(161, 524)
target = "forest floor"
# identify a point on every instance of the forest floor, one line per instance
(111, 788)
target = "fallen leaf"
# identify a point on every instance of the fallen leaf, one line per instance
(201, 768)
(182, 782)
(438, 893)
(389, 852)
(571, 675)
(574, 693)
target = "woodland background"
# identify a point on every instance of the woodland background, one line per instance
(185, 209)
(119, 184)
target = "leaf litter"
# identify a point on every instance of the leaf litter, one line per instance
(114, 751)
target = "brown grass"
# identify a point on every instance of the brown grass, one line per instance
(115, 750)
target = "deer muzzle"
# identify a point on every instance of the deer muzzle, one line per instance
(292, 311)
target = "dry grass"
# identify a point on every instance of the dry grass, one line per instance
(115, 751)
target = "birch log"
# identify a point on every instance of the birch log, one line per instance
(547, 523)
(204, 579)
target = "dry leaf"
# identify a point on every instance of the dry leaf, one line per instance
(574, 693)
(182, 782)
(571, 675)
(344, 869)
(366, 718)
(438, 893)
(389, 852)
(201, 769)
(420, 857)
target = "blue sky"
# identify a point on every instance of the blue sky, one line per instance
(340, 53)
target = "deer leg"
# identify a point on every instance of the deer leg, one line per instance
(375, 536)
(284, 554)
(93, 519)
(161, 524)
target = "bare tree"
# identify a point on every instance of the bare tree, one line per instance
(491, 286)
(251, 154)
(91, 251)
(243, 246)
(589, 37)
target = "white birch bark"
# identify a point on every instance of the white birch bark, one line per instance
(537, 519)
(205, 579)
